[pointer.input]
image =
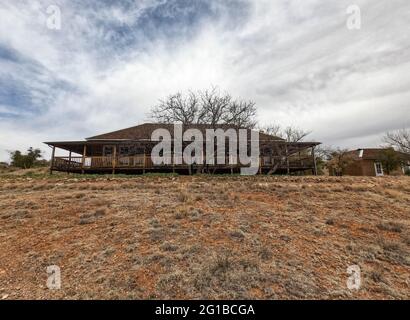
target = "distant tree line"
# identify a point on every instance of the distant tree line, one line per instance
(32, 158)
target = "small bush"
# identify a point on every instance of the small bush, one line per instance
(238, 234)
(183, 197)
(167, 246)
(390, 226)
(156, 234)
(88, 218)
(376, 276)
(220, 265)
(265, 254)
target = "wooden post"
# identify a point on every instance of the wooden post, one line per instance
(314, 162)
(83, 160)
(145, 162)
(114, 160)
(69, 163)
(173, 162)
(52, 159)
(287, 160)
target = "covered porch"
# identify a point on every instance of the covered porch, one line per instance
(134, 157)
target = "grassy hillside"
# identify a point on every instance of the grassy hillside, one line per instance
(204, 237)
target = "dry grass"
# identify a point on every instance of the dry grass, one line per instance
(204, 237)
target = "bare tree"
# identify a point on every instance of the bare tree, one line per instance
(241, 114)
(273, 130)
(290, 134)
(295, 135)
(214, 106)
(324, 152)
(177, 108)
(399, 139)
(205, 107)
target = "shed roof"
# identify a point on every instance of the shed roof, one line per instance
(373, 154)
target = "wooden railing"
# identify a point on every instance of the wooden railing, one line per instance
(146, 162)
(67, 163)
(293, 163)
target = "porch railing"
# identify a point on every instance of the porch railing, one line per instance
(146, 162)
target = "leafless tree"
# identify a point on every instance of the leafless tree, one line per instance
(177, 108)
(214, 106)
(273, 130)
(290, 134)
(205, 107)
(241, 114)
(324, 153)
(399, 139)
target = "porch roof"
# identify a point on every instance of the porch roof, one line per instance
(78, 146)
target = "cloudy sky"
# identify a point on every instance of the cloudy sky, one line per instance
(112, 60)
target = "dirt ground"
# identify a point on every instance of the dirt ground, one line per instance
(204, 237)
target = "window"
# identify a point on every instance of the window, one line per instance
(124, 150)
(139, 151)
(108, 151)
(379, 169)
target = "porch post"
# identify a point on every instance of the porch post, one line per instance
(69, 163)
(83, 160)
(314, 161)
(114, 161)
(52, 159)
(173, 161)
(287, 160)
(145, 159)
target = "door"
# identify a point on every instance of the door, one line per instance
(379, 169)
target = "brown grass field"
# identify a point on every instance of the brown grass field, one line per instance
(226, 237)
